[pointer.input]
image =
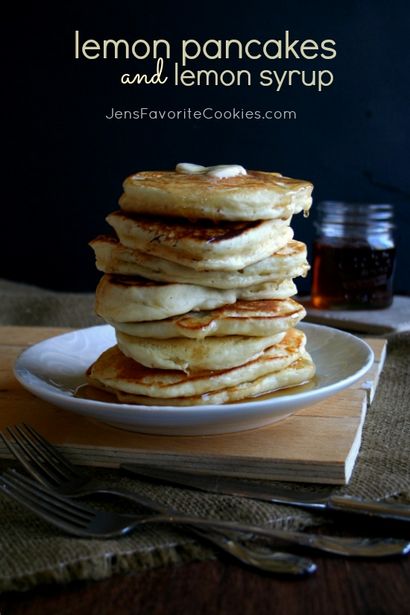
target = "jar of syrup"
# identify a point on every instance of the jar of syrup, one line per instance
(353, 256)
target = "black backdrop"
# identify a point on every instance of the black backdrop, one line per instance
(351, 140)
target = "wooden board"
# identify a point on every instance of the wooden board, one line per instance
(317, 444)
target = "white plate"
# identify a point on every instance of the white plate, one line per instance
(54, 368)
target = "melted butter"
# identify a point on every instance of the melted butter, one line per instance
(220, 171)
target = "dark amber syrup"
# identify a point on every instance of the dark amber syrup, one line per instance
(352, 276)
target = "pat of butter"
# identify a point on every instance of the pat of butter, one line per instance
(220, 170)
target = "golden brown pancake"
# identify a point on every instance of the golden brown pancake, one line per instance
(256, 196)
(112, 257)
(117, 372)
(253, 318)
(299, 372)
(202, 245)
(132, 299)
(192, 355)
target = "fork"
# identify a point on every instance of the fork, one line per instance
(81, 520)
(55, 472)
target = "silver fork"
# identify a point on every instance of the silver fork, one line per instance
(81, 520)
(55, 472)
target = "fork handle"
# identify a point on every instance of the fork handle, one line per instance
(386, 510)
(269, 561)
(338, 545)
(273, 561)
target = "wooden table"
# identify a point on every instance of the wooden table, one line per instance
(340, 587)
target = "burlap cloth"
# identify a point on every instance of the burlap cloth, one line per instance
(32, 552)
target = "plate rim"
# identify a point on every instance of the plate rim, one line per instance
(324, 391)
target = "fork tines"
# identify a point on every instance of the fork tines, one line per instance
(36, 454)
(48, 504)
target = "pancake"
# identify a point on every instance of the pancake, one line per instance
(252, 318)
(190, 355)
(298, 372)
(112, 257)
(132, 299)
(202, 245)
(255, 196)
(115, 371)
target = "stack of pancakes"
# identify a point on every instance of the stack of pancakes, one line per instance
(197, 283)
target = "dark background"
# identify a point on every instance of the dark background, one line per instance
(67, 161)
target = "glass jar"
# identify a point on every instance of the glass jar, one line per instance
(353, 256)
